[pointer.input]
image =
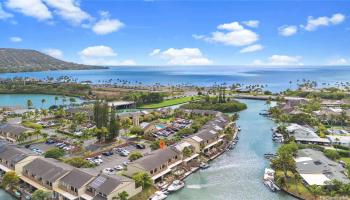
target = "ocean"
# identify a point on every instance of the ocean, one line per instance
(275, 78)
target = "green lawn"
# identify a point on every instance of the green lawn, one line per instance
(170, 102)
(346, 160)
(145, 194)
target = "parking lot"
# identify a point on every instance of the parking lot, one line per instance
(116, 159)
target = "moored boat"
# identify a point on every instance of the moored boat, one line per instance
(204, 165)
(159, 195)
(176, 185)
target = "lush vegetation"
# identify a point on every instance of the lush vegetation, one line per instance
(22, 87)
(170, 102)
(142, 98)
(79, 162)
(107, 124)
(55, 153)
(41, 195)
(10, 180)
(215, 104)
(142, 179)
(135, 155)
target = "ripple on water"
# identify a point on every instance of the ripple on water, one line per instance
(237, 175)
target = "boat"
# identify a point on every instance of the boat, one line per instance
(231, 146)
(269, 155)
(204, 165)
(176, 185)
(159, 195)
(269, 174)
(271, 185)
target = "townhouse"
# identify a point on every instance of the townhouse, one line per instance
(13, 158)
(65, 181)
(106, 187)
(44, 173)
(13, 133)
(74, 184)
(157, 164)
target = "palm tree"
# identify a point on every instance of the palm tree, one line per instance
(121, 196)
(29, 103)
(56, 99)
(42, 103)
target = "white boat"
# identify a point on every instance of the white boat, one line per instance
(204, 165)
(269, 184)
(158, 196)
(269, 174)
(176, 185)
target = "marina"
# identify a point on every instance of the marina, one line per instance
(237, 174)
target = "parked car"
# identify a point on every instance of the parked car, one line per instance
(108, 171)
(107, 153)
(49, 141)
(119, 167)
(140, 146)
(125, 163)
(124, 153)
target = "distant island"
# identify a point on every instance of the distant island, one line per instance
(27, 60)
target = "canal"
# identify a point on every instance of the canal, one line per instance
(237, 174)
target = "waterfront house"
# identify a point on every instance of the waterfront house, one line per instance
(13, 158)
(74, 184)
(148, 127)
(13, 133)
(106, 187)
(44, 173)
(157, 164)
(306, 135)
(316, 169)
(339, 140)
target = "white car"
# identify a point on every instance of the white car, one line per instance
(125, 163)
(108, 171)
(98, 161)
(119, 167)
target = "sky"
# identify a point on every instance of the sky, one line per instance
(154, 32)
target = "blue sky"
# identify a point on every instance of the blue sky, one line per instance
(113, 32)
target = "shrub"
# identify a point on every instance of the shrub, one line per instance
(135, 155)
(331, 154)
(79, 162)
(55, 153)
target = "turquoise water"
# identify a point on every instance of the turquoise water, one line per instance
(276, 78)
(237, 175)
(21, 100)
(5, 196)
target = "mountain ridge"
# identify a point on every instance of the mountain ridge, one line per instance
(28, 60)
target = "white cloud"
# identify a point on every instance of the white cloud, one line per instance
(102, 55)
(337, 61)
(252, 48)
(107, 62)
(154, 52)
(287, 30)
(32, 8)
(69, 10)
(185, 56)
(314, 23)
(98, 51)
(15, 39)
(233, 26)
(280, 60)
(4, 14)
(56, 53)
(284, 60)
(252, 23)
(106, 25)
(235, 35)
